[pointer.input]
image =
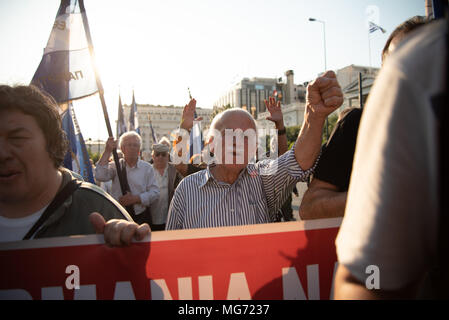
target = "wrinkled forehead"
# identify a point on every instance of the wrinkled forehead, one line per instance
(13, 120)
(236, 120)
(130, 139)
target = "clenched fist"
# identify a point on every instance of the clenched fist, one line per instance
(324, 95)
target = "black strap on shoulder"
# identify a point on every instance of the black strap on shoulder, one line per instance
(58, 200)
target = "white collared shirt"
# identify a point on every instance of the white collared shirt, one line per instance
(159, 208)
(141, 179)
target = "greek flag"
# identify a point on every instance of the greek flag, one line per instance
(373, 27)
(133, 117)
(76, 158)
(121, 123)
(66, 70)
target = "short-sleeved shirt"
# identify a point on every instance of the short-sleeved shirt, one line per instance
(391, 217)
(335, 164)
(201, 201)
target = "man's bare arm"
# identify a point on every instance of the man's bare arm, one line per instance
(322, 200)
(111, 144)
(276, 116)
(324, 95)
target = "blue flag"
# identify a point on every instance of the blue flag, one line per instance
(153, 134)
(66, 70)
(196, 139)
(133, 117)
(77, 158)
(121, 123)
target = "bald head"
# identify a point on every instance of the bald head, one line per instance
(233, 119)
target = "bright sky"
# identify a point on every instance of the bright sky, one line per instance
(162, 47)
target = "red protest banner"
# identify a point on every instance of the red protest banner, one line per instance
(291, 260)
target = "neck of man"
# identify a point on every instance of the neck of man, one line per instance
(224, 174)
(20, 208)
(131, 162)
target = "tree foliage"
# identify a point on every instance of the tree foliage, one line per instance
(331, 122)
(292, 132)
(95, 156)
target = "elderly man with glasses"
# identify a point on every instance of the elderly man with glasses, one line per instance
(167, 179)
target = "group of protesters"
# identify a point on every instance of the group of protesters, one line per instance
(151, 187)
(383, 177)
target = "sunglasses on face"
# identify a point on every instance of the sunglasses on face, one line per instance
(131, 145)
(160, 154)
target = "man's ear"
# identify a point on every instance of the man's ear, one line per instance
(208, 151)
(210, 143)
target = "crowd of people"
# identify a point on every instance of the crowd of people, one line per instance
(383, 178)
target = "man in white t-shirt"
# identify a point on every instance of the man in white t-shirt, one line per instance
(388, 238)
(32, 149)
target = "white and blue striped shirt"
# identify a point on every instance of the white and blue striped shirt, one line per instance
(200, 201)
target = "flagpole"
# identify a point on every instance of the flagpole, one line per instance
(369, 49)
(103, 102)
(190, 95)
(325, 63)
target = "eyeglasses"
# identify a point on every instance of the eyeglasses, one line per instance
(131, 145)
(158, 154)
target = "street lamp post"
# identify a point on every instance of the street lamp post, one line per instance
(325, 62)
(324, 39)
